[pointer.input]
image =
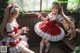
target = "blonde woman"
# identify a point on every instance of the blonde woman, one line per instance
(9, 27)
(48, 28)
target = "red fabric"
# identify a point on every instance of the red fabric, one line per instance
(4, 43)
(12, 44)
(15, 30)
(50, 27)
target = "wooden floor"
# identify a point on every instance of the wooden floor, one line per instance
(54, 48)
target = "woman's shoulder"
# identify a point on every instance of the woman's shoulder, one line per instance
(8, 24)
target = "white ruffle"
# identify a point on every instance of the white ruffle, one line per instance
(24, 40)
(13, 50)
(18, 48)
(23, 43)
(48, 36)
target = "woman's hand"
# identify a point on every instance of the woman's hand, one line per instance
(38, 14)
(25, 29)
(78, 30)
(71, 32)
(61, 9)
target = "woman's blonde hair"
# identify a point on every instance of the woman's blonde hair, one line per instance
(69, 22)
(6, 19)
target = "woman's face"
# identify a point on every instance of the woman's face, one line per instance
(55, 8)
(15, 13)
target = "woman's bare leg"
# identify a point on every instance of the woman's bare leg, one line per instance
(42, 44)
(27, 46)
(26, 50)
(47, 45)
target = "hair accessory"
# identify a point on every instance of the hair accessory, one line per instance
(12, 9)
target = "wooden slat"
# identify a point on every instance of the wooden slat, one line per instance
(69, 43)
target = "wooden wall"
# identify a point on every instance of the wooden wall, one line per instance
(30, 20)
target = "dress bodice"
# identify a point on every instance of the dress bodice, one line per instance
(12, 27)
(54, 19)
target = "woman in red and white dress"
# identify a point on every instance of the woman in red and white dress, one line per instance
(48, 28)
(16, 42)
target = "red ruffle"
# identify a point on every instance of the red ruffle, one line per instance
(12, 44)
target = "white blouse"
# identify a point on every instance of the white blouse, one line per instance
(59, 18)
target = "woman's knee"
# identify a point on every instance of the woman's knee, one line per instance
(27, 46)
(42, 42)
(46, 41)
(26, 50)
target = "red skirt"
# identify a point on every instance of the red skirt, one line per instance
(50, 28)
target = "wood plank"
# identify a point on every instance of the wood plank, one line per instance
(69, 43)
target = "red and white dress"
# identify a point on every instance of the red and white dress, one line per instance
(17, 43)
(49, 29)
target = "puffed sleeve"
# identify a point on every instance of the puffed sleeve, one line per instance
(10, 29)
(60, 18)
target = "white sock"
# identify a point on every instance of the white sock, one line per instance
(47, 46)
(41, 46)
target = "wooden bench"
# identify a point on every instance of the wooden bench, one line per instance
(68, 45)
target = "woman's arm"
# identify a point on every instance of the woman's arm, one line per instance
(40, 16)
(69, 23)
(66, 18)
(65, 25)
(70, 29)
(20, 31)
